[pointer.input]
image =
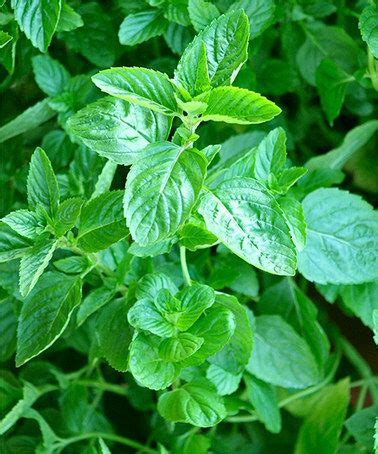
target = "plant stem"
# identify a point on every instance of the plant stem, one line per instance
(116, 389)
(184, 266)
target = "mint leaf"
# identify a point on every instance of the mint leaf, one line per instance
(178, 348)
(368, 25)
(232, 212)
(118, 130)
(361, 426)
(293, 213)
(50, 75)
(101, 222)
(94, 301)
(341, 243)
(150, 284)
(238, 105)
(288, 363)
(260, 14)
(67, 215)
(361, 300)
(201, 13)
(225, 382)
(140, 27)
(8, 328)
(148, 88)
(12, 245)
(38, 19)
(24, 222)
(270, 155)
(161, 190)
(195, 403)
(45, 314)
(69, 19)
(42, 186)
(194, 236)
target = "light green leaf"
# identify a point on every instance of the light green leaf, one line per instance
(146, 365)
(362, 300)
(67, 215)
(158, 248)
(226, 41)
(42, 185)
(51, 76)
(195, 403)
(8, 328)
(264, 398)
(233, 212)
(117, 129)
(12, 245)
(105, 179)
(27, 121)
(202, 13)
(270, 154)
(75, 264)
(280, 356)
(225, 382)
(114, 334)
(150, 284)
(260, 14)
(146, 87)
(161, 190)
(293, 213)
(179, 348)
(368, 25)
(96, 299)
(342, 238)
(285, 179)
(288, 301)
(34, 262)
(194, 235)
(361, 426)
(140, 27)
(45, 314)
(69, 19)
(331, 82)
(238, 105)
(322, 427)
(24, 222)
(101, 222)
(4, 39)
(38, 19)
(177, 11)
(319, 178)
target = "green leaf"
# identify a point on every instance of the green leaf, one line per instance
(51, 76)
(150, 284)
(368, 25)
(8, 328)
(216, 327)
(140, 27)
(67, 215)
(34, 262)
(158, 248)
(117, 129)
(225, 381)
(38, 19)
(12, 245)
(178, 348)
(96, 299)
(195, 236)
(361, 426)
(27, 121)
(342, 240)
(259, 12)
(114, 334)
(238, 105)
(73, 265)
(177, 11)
(280, 356)
(201, 13)
(285, 179)
(161, 190)
(105, 179)
(362, 300)
(4, 39)
(293, 213)
(146, 87)
(263, 397)
(146, 365)
(69, 19)
(42, 186)
(288, 301)
(178, 37)
(24, 222)
(101, 222)
(226, 41)
(270, 154)
(331, 82)
(322, 427)
(318, 178)
(195, 403)
(233, 212)
(45, 314)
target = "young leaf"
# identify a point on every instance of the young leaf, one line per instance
(12, 245)
(202, 13)
(67, 215)
(368, 25)
(233, 212)
(194, 236)
(270, 155)
(34, 262)
(24, 222)
(118, 130)
(140, 27)
(178, 348)
(38, 19)
(69, 19)
(288, 362)
(342, 240)
(238, 105)
(150, 284)
(322, 427)
(146, 87)
(146, 365)
(161, 189)
(50, 75)
(293, 213)
(195, 403)
(226, 41)
(42, 185)
(45, 314)
(101, 222)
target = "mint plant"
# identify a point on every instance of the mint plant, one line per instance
(171, 239)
